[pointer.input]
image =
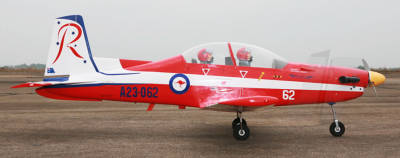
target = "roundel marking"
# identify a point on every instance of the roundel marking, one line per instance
(179, 83)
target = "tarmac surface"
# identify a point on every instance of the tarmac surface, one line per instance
(34, 126)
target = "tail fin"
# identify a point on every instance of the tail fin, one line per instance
(69, 50)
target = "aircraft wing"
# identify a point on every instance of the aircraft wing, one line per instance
(253, 101)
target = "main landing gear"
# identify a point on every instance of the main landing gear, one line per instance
(337, 128)
(242, 132)
(239, 126)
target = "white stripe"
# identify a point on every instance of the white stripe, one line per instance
(218, 81)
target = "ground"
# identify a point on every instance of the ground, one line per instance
(34, 126)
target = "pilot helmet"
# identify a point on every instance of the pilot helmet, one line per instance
(204, 55)
(244, 54)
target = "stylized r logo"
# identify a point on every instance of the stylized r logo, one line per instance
(69, 45)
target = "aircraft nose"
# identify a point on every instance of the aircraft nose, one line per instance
(376, 78)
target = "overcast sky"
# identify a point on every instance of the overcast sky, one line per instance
(157, 29)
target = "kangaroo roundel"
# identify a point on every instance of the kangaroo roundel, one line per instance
(179, 83)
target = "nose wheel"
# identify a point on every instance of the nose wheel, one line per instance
(240, 129)
(337, 128)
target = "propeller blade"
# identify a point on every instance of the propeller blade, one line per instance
(365, 64)
(373, 87)
(371, 81)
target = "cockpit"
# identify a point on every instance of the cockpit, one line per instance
(228, 53)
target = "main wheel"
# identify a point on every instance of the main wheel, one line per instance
(237, 122)
(337, 131)
(241, 133)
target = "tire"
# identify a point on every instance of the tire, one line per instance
(338, 132)
(241, 134)
(237, 122)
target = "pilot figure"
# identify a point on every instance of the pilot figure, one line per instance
(205, 56)
(244, 56)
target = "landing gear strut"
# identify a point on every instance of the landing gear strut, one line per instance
(337, 128)
(236, 121)
(240, 129)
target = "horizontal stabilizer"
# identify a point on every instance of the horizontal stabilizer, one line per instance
(45, 83)
(32, 84)
(251, 101)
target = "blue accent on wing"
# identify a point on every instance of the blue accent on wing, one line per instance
(56, 79)
(79, 20)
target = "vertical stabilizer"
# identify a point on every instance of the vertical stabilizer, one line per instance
(69, 49)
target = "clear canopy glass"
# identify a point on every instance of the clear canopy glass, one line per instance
(219, 53)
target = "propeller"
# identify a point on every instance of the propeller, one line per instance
(366, 67)
(374, 78)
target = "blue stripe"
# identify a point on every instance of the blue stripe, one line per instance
(79, 20)
(56, 79)
(88, 85)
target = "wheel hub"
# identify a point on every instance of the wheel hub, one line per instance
(337, 129)
(242, 132)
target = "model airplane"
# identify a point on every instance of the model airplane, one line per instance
(217, 76)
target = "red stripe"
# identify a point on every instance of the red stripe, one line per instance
(196, 96)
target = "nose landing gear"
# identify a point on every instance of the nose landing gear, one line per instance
(337, 128)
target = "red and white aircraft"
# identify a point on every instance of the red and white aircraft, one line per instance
(216, 76)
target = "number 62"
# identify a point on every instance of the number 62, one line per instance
(288, 94)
